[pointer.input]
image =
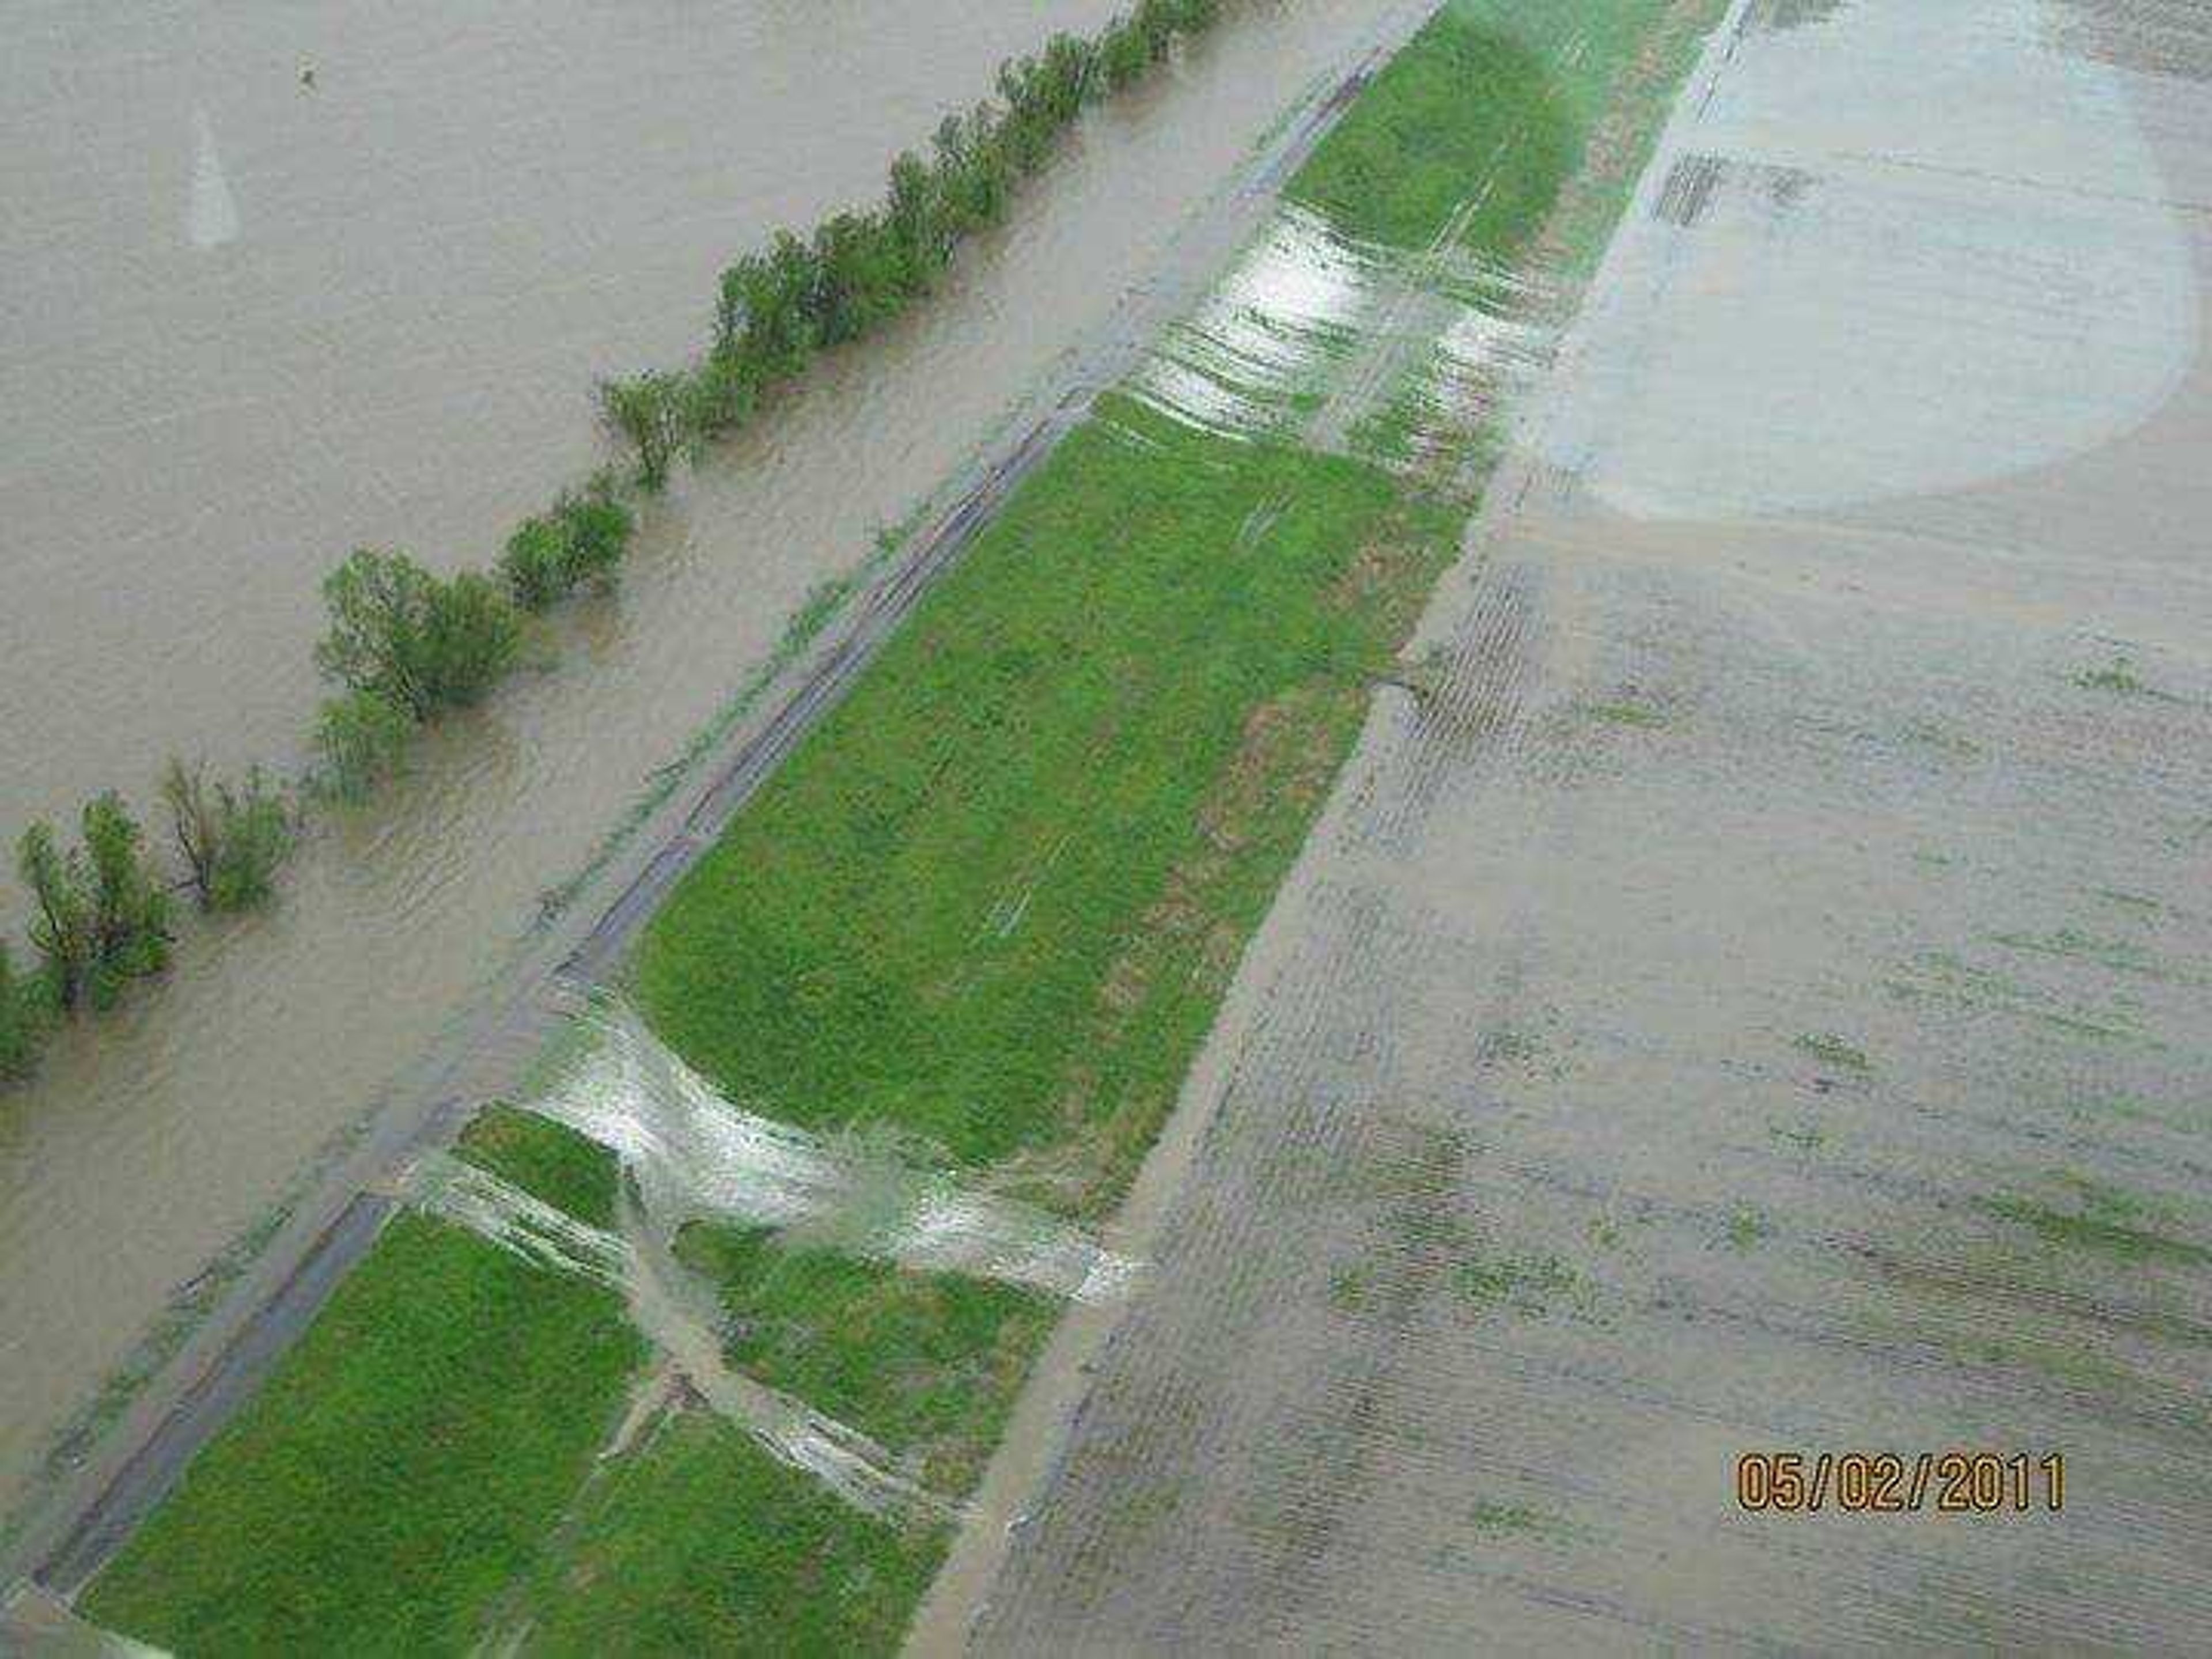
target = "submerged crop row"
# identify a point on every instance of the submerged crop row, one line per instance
(978, 924)
(404, 645)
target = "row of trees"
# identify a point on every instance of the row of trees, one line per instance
(777, 307)
(101, 910)
(403, 645)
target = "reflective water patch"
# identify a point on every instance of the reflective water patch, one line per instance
(1264, 344)
(695, 1155)
(1354, 346)
(212, 216)
(676, 1310)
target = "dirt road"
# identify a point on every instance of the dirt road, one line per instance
(1764, 1001)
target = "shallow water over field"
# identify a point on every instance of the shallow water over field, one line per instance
(250, 323)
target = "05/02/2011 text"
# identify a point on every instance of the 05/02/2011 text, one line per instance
(1894, 1483)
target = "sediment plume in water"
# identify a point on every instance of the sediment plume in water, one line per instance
(676, 1310)
(695, 1155)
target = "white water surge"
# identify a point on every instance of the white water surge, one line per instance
(676, 1310)
(696, 1156)
(1312, 334)
(685, 1154)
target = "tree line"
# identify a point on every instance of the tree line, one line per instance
(403, 645)
(779, 306)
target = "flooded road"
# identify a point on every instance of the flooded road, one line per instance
(249, 324)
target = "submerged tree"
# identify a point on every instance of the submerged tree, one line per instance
(63, 931)
(380, 606)
(363, 739)
(1123, 54)
(103, 916)
(471, 640)
(654, 413)
(582, 539)
(860, 279)
(535, 562)
(599, 527)
(725, 389)
(765, 317)
(415, 642)
(974, 171)
(914, 216)
(131, 907)
(22, 1020)
(231, 840)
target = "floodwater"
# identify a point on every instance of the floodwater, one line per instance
(1760, 998)
(693, 1154)
(249, 324)
(686, 1153)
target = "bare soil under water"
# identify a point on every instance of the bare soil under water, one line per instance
(1760, 1002)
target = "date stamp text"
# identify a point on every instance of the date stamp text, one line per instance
(1895, 1483)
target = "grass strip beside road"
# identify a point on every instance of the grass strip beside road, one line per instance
(397, 1470)
(993, 904)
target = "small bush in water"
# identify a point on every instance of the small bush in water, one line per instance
(362, 740)
(231, 840)
(131, 906)
(657, 415)
(582, 539)
(419, 643)
(22, 1020)
(102, 916)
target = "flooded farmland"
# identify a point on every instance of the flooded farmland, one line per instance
(250, 322)
(1756, 994)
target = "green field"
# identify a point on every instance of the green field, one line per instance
(992, 904)
(1513, 97)
(397, 1470)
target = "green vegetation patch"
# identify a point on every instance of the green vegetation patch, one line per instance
(1405, 160)
(1641, 715)
(917, 920)
(700, 1543)
(409, 1454)
(2119, 675)
(1530, 1285)
(1833, 1050)
(1748, 1228)
(2104, 1220)
(1512, 97)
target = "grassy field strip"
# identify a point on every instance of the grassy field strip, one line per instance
(987, 911)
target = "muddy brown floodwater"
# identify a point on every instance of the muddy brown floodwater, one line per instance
(249, 324)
